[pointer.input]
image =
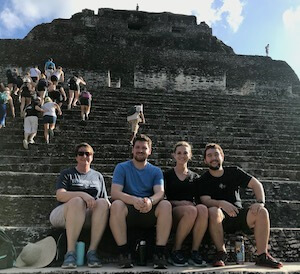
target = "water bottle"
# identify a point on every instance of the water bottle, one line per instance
(142, 253)
(80, 251)
(240, 250)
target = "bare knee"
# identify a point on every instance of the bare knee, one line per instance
(215, 215)
(102, 204)
(202, 211)
(76, 204)
(263, 213)
(118, 208)
(163, 206)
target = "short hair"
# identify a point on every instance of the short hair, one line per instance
(182, 143)
(78, 146)
(212, 145)
(142, 138)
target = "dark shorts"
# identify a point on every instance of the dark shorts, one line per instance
(47, 119)
(73, 86)
(26, 94)
(54, 78)
(34, 79)
(85, 101)
(141, 220)
(11, 80)
(238, 223)
(55, 96)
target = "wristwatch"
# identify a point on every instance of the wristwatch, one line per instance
(260, 202)
(152, 200)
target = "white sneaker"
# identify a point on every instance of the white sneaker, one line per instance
(31, 141)
(25, 144)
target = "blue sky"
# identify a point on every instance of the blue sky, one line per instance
(245, 25)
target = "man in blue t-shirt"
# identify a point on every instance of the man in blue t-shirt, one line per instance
(83, 201)
(219, 188)
(138, 191)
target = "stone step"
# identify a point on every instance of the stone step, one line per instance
(259, 170)
(14, 183)
(23, 210)
(103, 157)
(284, 244)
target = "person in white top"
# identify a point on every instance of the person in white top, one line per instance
(134, 120)
(49, 117)
(35, 75)
(58, 76)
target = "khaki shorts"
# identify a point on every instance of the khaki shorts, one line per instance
(31, 124)
(135, 125)
(57, 218)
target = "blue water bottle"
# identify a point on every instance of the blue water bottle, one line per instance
(80, 251)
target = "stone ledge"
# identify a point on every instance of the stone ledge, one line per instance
(112, 269)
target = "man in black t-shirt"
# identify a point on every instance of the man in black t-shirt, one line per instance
(219, 188)
(83, 201)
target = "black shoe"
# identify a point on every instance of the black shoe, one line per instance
(160, 261)
(196, 259)
(265, 259)
(177, 258)
(220, 259)
(125, 261)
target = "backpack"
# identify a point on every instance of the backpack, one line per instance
(9, 73)
(7, 251)
(131, 110)
(85, 94)
(3, 97)
(61, 247)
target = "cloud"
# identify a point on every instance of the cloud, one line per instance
(20, 14)
(10, 20)
(233, 10)
(228, 12)
(291, 20)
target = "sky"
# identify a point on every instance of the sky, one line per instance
(245, 25)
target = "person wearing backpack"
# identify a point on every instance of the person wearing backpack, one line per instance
(85, 100)
(135, 116)
(49, 68)
(41, 87)
(4, 99)
(27, 93)
(11, 75)
(31, 122)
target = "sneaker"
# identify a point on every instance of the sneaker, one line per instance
(265, 259)
(31, 141)
(160, 261)
(70, 260)
(196, 259)
(51, 132)
(25, 144)
(220, 259)
(93, 259)
(177, 258)
(125, 261)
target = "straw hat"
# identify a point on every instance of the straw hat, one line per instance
(39, 254)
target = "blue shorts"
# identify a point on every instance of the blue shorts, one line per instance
(47, 119)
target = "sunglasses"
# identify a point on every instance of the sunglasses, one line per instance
(86, 153)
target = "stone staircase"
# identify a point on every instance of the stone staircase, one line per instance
(258, 134)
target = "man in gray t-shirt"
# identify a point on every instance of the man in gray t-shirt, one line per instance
(83, 201)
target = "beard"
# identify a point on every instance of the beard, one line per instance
(214, 167)
(140, 157)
